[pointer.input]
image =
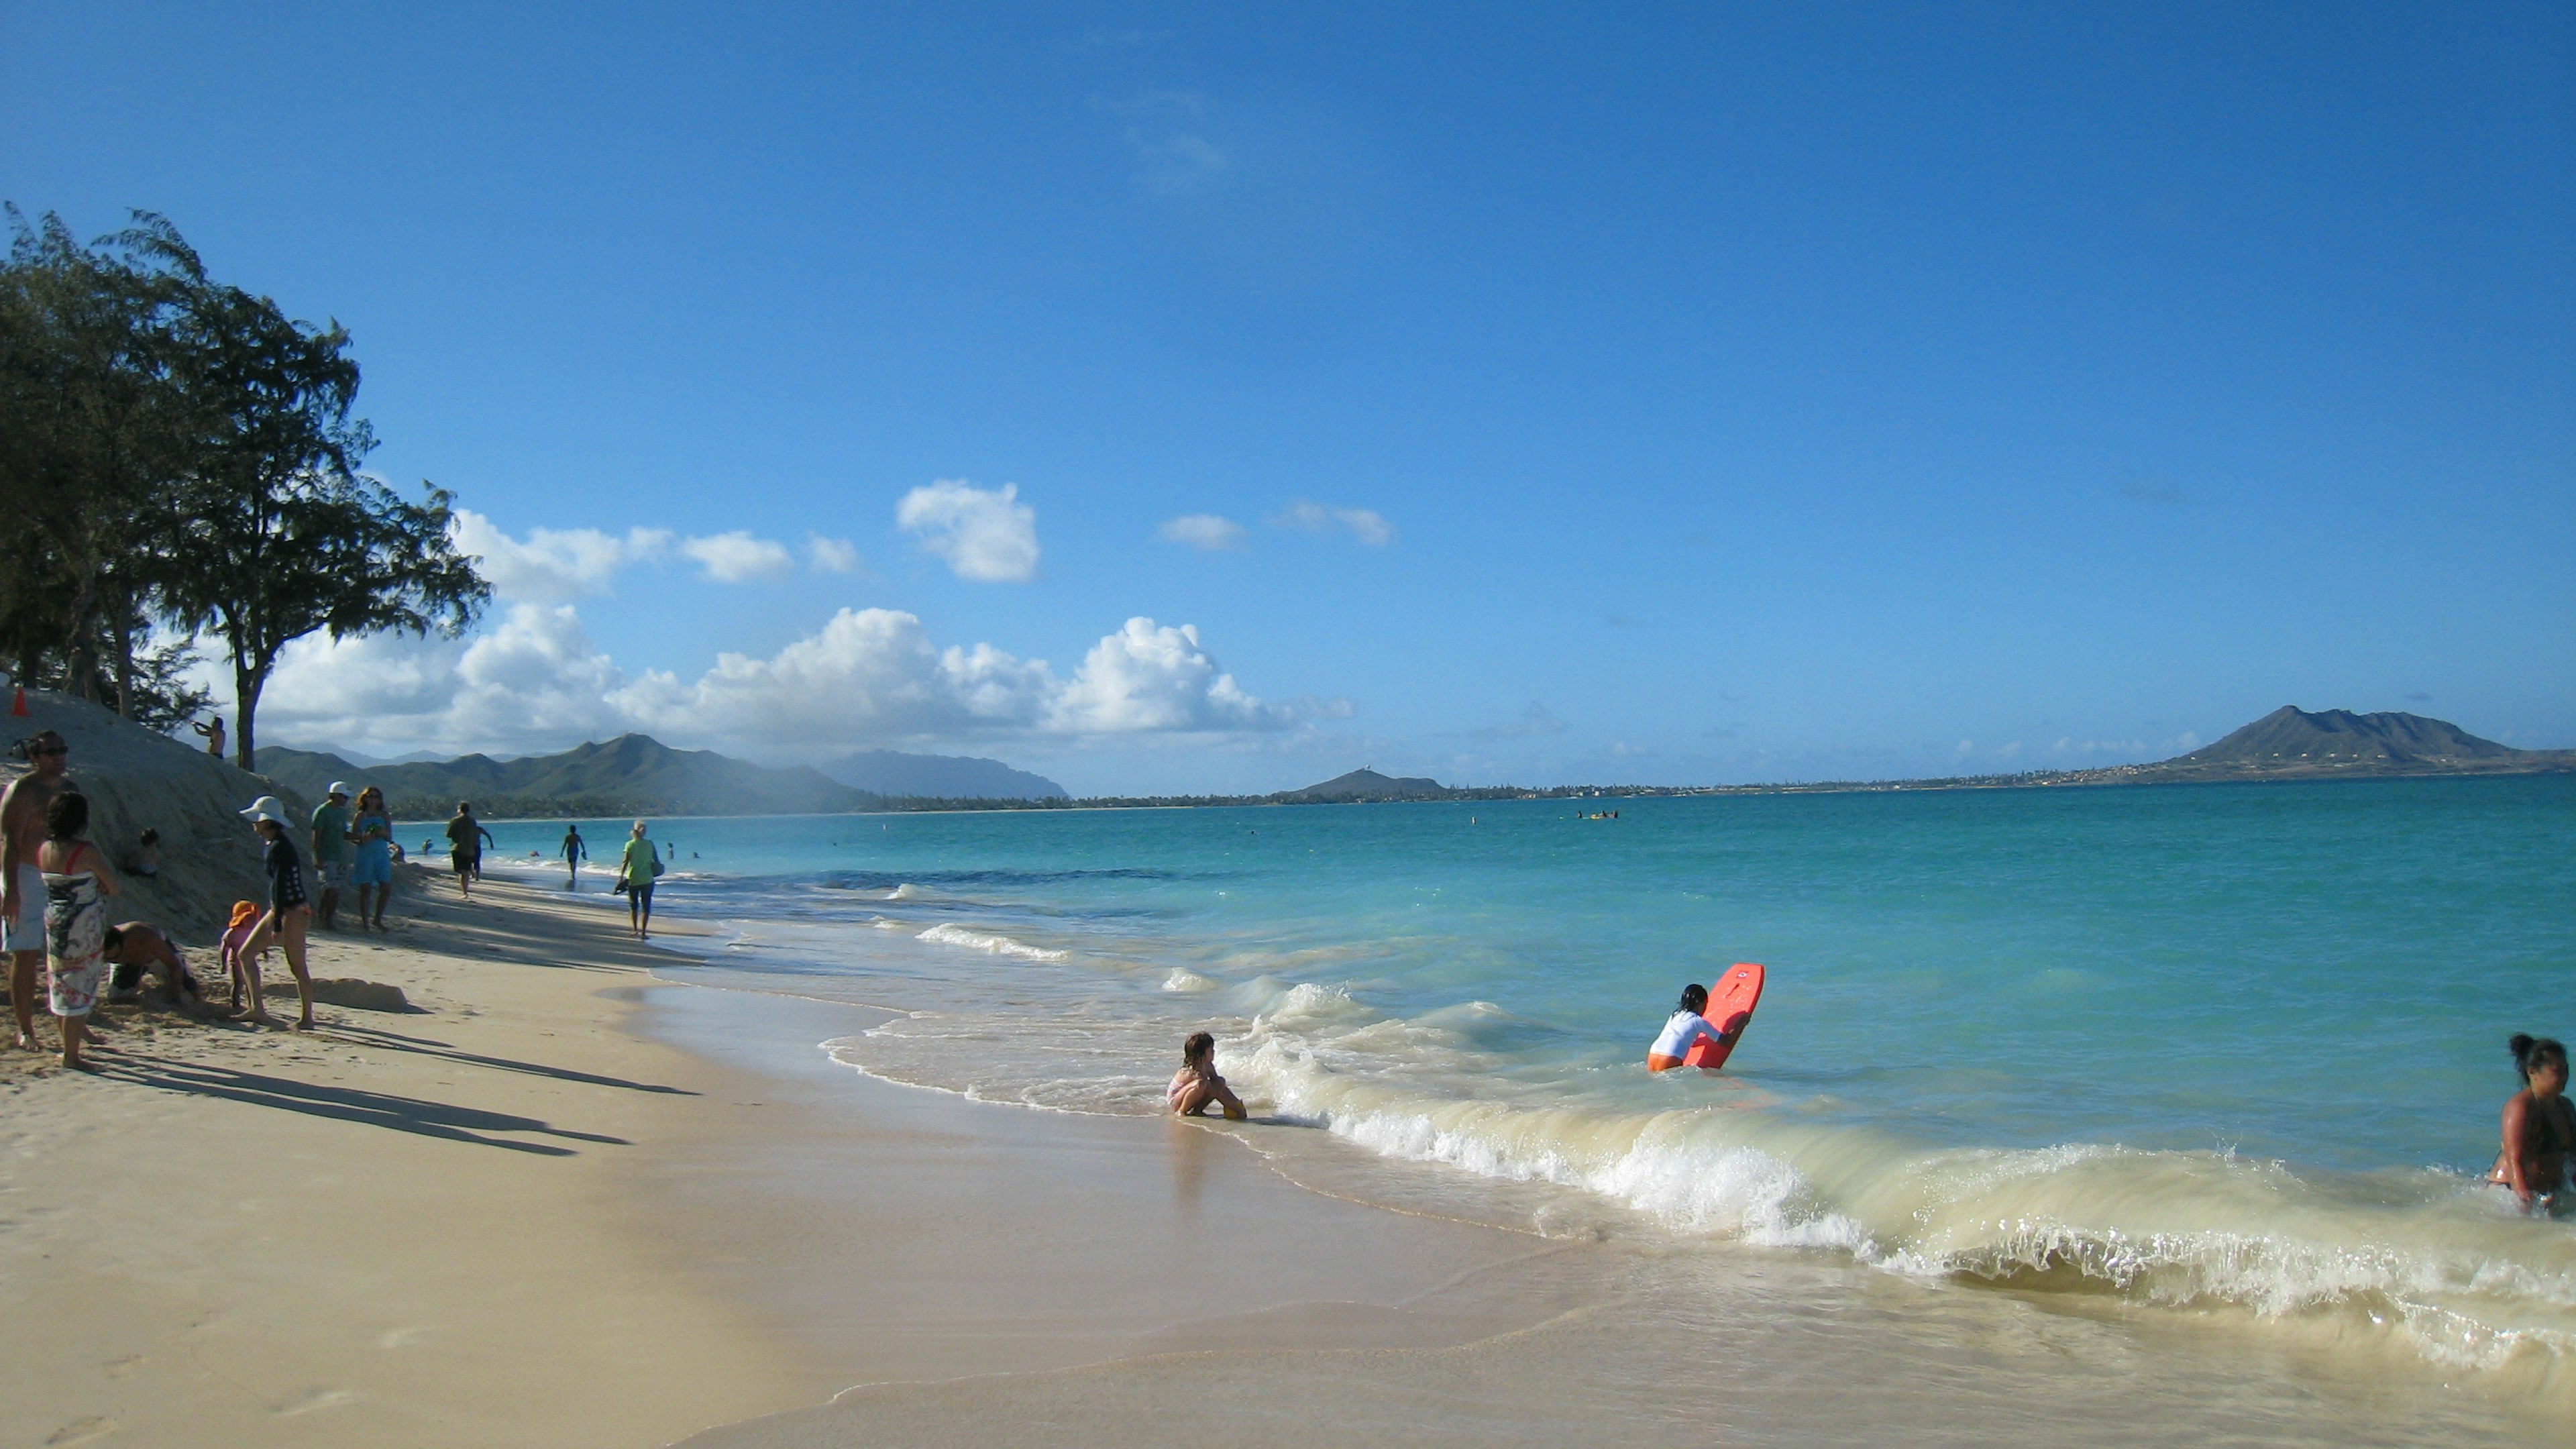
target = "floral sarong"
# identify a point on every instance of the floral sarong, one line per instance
(75, 942)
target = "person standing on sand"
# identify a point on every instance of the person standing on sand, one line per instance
(573, 851)
(214, 734)
(77, 884)
(2539, 1126)
(465, 837)
(637, 866)
(331, 853)
(373, 867)
(22, 881)
(289, 907)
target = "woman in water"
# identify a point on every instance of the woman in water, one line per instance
(1686, 1029)
(2539, 1125)
(1197, 1085)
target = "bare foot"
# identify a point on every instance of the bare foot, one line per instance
(261, 1018)
(26, 1043)
(77, 1064)
(305, 1025)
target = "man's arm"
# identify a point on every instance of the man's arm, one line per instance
(12, 805)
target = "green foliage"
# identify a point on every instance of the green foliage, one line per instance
(176, 449)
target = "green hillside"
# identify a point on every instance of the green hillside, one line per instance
(629, 775)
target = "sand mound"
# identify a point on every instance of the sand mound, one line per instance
(138, 779)
(364, 995)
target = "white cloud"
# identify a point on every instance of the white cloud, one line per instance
(1202, 531)
(868, 677)
(831, 555)
(1148, 677)
(554, 564)
(984, 535)
(1365, 525)
(557, 565)
(739, 558)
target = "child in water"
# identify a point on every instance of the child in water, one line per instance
(2539, 1126)
(1686, 1028)
(1197, 1084)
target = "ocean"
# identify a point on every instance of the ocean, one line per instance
(2231, 1055)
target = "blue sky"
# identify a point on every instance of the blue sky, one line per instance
(1651, 394)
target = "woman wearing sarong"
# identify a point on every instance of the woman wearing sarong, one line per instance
(77, 884)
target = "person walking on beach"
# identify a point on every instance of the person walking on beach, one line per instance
(331, 853)
(2539, 1126)
(77, 884)
(465, 837)
(22, 881)
(1196, 1086)
(214, 734)
(573, 851)
(372, 869)
(289, 908)
(637, 866)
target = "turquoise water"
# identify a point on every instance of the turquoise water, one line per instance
(2219, 1045)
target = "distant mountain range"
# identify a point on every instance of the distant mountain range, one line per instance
(639, 775)
(940, 777)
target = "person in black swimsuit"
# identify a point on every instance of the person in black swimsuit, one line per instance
(2539, 1126)
(290, 908)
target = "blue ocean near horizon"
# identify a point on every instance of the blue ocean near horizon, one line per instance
(2006, 1032)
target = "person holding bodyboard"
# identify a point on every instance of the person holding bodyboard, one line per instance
(1691, 1039)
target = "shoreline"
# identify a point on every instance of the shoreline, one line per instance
(579, 1199)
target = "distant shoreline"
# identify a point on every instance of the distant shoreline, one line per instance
(2133, 776)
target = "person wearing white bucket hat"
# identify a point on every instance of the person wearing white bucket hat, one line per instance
(288, 909)
(331, 855)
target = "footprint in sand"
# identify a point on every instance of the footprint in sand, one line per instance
(126, 1367)
(311, 1400)
(81, 1431)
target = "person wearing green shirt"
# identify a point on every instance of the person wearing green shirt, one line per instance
(331, 853)
(637, 867)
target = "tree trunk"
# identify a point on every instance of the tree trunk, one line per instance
(248, 681)
(125, 660)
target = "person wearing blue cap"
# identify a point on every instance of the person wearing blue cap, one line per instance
(331, 854)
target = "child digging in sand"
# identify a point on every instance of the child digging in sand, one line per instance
(1197, 1084)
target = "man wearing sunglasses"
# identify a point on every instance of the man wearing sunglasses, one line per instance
(22, 885)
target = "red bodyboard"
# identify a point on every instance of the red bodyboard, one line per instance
(1730, 1007)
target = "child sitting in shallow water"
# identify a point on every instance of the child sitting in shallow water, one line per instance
(1197, 1084)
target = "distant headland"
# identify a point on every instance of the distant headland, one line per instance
(635, 775)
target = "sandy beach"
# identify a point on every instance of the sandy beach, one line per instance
(509, 1218)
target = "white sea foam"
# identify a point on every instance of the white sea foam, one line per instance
(991, 942)
(904, 892)
(1185, 979)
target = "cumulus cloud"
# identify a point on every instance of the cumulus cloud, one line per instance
(1365, 525)
(553, 564)
(985, 535)
(558, 565)
(1202, 531)
(739, 558)
(536, 681)
(831, 555)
